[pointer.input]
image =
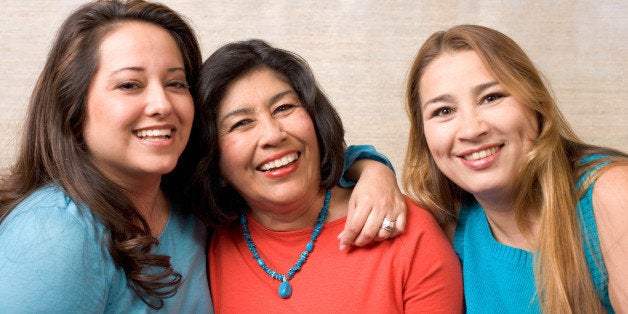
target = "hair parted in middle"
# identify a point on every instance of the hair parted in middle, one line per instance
(53, 150)
(228, 64)
(545, 183)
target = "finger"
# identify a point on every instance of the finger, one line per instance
(400, 218)
(383, 233)
(371, 229)
(369, 233)
(353, 226)
(400, 226)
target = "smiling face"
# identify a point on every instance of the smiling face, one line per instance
(476, 131)
(139, 108)
(267, 141)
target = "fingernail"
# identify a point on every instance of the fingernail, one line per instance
(343, 247)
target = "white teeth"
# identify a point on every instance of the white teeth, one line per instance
(279, 162)
(153, 133)
(481, 154)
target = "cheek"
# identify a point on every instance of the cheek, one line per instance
(302, 125)
(523, 123)
(310, 132)
(226, 148)
(519, 118)
(188, 121)
(188, 106)
(113, 112)
(98, 120)
(235, 153)
(436, 138)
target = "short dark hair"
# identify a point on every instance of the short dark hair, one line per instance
(222, 68)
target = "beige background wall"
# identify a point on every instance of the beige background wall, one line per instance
(361, 51)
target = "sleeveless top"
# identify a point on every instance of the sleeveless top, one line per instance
(500, 278)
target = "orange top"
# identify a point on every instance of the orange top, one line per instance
(416, 272)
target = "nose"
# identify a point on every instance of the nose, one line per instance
(157, 101)
(472, 126)
(272, 132)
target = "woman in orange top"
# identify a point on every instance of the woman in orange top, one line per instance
(279, 146)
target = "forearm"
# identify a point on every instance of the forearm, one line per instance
(359, 158)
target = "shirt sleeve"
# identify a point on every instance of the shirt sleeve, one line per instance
(50, 262)
(357, 152)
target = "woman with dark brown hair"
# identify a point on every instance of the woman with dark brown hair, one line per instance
(278, 144)
(110, 114)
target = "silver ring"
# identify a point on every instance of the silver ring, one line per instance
(388, 225)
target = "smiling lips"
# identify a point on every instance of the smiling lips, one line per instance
(165, 133)
(278, 163)
(481, 154)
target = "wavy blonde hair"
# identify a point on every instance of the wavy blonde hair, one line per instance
(546, 180)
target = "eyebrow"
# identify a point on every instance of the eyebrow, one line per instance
(275, 98)
(476, 91)
(141, 69)
(482, 87)
(247, 110)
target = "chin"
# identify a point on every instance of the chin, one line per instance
(164, 168)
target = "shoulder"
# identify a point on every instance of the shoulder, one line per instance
(435, 275)
(610, 192)
(610, 196)
(48, 221)
(47, 211)
(425, 230)
(49, 250)
(613, 180)
(417, 215)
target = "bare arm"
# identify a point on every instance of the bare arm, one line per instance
(610, 201)
(376, 196)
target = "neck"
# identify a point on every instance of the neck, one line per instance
(503, 223)
(288, 217)
(152, 204)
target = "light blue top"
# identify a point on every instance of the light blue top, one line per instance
(499, 278)
(53, 260)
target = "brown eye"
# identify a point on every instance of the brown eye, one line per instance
(442, 112)
(490, 98)
(285, 108)
(179, 84)
(240, 124)
(128, 86)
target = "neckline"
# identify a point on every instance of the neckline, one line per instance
(285, 289)
(497, 249)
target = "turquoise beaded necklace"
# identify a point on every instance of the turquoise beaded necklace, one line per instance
(285, 289)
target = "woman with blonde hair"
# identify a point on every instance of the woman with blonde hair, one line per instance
(535, 215)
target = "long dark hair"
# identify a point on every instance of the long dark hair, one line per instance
(222, 68)
(53, 150)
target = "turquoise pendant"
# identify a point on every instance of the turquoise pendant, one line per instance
(285, 290)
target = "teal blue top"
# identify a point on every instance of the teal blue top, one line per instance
(53, 260)
(499, 278)
(354, 153)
